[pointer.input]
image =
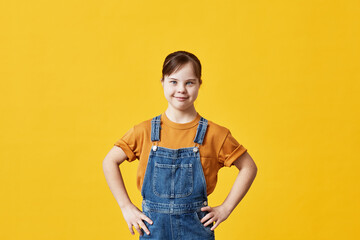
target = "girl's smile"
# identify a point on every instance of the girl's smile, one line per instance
(181, 99)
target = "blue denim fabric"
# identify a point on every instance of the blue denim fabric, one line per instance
(174, 190)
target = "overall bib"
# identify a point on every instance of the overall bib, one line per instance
(174, 190)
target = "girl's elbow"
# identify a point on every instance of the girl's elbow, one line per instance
(255, 167)
(255, 170)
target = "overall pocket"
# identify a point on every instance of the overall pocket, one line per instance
(173, 180)
(198, 216)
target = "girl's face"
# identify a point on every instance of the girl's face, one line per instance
(181, 88)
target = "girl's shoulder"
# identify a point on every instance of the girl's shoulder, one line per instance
(217, 126)
(143, 125)
(216, 130)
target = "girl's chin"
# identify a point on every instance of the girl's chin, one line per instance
(181, 107)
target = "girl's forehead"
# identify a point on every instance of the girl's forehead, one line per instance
(185, 79)
(182, 76)
(185, 71)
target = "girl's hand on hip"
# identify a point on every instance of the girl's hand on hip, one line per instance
(216, 214)
(134, 217)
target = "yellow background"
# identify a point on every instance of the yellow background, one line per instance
(283, 76)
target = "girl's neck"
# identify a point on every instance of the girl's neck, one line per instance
(178, 116)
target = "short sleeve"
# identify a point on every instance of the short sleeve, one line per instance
(129, 143)
(230, 150)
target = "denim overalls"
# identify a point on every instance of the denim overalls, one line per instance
(174, 190)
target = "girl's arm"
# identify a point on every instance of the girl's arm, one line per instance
(133, 216)
(243, 181)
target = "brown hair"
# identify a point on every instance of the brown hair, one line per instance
(175, 60)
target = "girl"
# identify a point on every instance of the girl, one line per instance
(179, 153)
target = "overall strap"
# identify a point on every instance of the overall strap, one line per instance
(201, 130)
(155, 128)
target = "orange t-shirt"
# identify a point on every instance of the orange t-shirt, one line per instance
(219, 147)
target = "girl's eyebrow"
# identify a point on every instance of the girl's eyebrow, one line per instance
(185, 80)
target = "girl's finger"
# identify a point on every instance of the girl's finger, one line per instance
(144, 217)
(207, 208)
(131, 229)
(206, 217)
(136, 226)
(215, 225)
(209, 222)
(143, 226)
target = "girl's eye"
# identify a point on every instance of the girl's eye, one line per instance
(190, 82)
(172, 81)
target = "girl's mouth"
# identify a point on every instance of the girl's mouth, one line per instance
(180, 98)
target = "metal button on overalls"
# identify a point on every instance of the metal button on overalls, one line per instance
(174, 189)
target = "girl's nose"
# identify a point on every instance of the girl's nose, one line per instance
(181, 88)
